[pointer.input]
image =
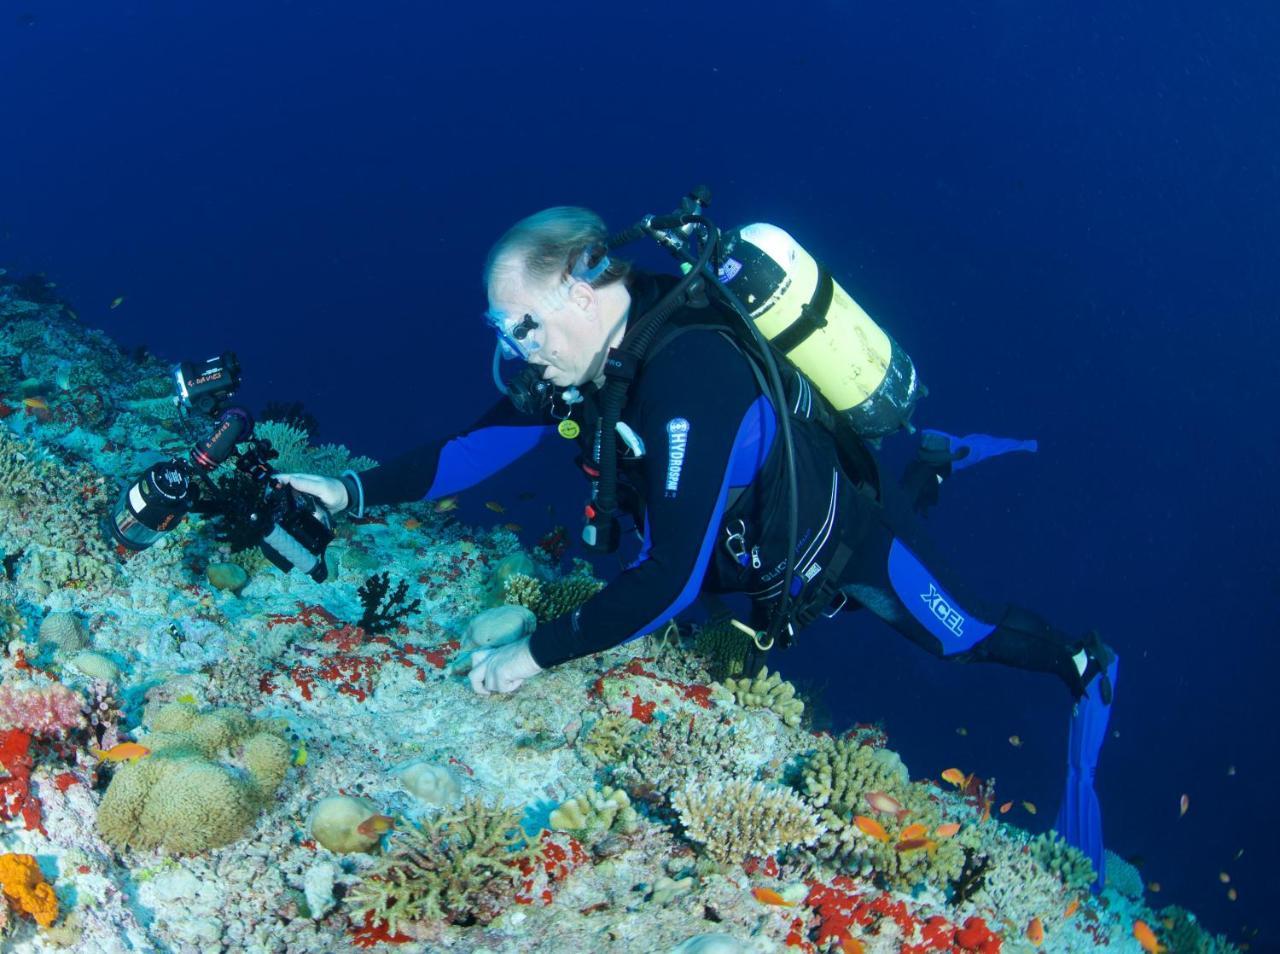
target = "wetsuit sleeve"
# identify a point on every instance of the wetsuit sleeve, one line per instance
(693, 401)
(445, 466)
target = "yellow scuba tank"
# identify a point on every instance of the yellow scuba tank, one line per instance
(806, 315)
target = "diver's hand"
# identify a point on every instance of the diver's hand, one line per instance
(503, 669)
(502, 624)
(330, 491)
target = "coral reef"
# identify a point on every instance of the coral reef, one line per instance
(770, 692)
(725, 649)
(735, 819)
(609, 737)
(292, 444)
(1071, 866)
(596, 812)
(549, 599)
(384, 608)
(41, 710)
(1122, 876)
(458, 868)
(179, 797)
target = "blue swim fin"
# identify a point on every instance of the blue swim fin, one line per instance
(1080, 817)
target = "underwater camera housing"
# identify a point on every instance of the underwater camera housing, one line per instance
(291, 528)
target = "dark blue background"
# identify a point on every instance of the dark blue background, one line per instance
(1068, 218)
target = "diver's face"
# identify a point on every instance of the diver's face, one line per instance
(555, 326)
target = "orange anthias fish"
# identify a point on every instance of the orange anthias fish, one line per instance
(1147, 937)
(913, 831)
(1030, 807)
(122, 752)
(1072, 908)
(1035, 932)
(1015, 741)
(445, 504)
(883, 802)
(494, 506)
(954, 776)
(1183, 804)
(376, 825)
(513, 527)
(869, 826)
(948, 830)
(769, 896)
(412, 523)
(1004, 809)
(36, 403)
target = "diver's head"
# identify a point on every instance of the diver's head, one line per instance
(556, 299)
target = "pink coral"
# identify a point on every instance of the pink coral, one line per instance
(47, 710)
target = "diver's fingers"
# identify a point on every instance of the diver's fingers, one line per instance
(330, 491)
(479, 670)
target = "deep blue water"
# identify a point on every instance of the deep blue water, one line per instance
(1067, 216)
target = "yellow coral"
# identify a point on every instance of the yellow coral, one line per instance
(768, 692)
(25, 886)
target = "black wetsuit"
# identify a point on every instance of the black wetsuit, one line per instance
(708, 488)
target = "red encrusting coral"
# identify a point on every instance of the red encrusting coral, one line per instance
(16, 797)
(371, 933)
(843, 912)
(644, 710)
(561, 855)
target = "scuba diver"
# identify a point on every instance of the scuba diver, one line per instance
(738, 469)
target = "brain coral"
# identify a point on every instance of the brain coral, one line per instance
(181, 797)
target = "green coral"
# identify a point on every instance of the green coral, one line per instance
(460, 868)
(724, 648)
(1072, 867)
(734, 819)
(609, 737)
(836, 780)
(768, 692)
(596, 812)
(181, 797)
(549, 599)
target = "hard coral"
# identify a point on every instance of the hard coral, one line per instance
(460, 868)
(1071, 865)
(179, 797)
(25, 887)
(735, 819)
(768, 692)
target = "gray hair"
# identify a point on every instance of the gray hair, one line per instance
(547, 245)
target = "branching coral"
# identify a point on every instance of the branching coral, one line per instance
(673, 752)
(1072, 867)
(460, 868)
(1122, 876)
(837, 779)
(384, 608)
(293, 444)
(1184, 935)
(768, 692)
(552, 598)
(735, 819)
(609, 737)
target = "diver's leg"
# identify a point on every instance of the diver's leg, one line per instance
(896, 576)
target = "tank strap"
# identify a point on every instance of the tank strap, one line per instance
(813, 316)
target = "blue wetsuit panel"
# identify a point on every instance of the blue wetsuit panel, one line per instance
(931, 605)
(470, 458)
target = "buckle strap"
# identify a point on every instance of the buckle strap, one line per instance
(825, 593)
